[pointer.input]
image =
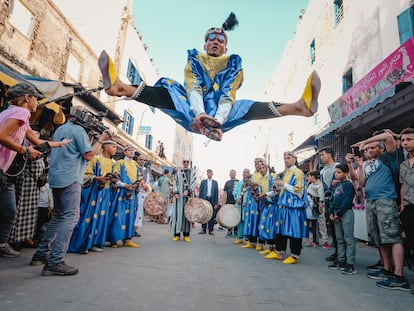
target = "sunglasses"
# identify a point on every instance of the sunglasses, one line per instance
(213, 36)
(185, 161)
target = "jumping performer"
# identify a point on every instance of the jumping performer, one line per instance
(207, 104)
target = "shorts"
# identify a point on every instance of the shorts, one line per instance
(383, 221)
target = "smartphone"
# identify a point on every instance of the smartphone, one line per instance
(356, 152)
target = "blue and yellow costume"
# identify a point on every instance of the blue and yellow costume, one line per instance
(268, 208)
(124, 204)
(251, 211)
(217, 80)
(292, 221)
(95, 203)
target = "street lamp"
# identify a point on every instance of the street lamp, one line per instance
(140, 122)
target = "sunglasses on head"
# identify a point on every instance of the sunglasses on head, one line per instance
(213, 36)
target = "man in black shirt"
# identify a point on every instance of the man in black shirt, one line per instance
(228, 195)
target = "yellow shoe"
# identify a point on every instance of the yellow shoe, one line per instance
(114, 245)
(265, 252)
(311, 92)
(131, 244)
(273, 255)
(290, 260)
(176, 238)
(259, 247)
(246, 245)
(238, 241)
(186, 239)
(108, 70)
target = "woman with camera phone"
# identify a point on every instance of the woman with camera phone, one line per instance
(14, 127)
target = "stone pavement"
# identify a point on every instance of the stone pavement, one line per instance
(207, 274)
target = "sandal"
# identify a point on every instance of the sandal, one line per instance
(108, 70)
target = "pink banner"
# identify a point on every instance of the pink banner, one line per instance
(396, 68)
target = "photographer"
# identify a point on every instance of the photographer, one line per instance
(14, 127)
(67, 167)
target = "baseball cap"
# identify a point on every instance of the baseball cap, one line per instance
(21, 89)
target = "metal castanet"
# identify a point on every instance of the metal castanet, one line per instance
(228, 216)
(155, 203)
(198, 210)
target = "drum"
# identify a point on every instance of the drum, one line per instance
(155, 204)
(228, 216)
(198, 210)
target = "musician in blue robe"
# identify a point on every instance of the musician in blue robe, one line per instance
(207, 104)
(90, 231)
(292, 221)
(251, 210)
(125, 202)
(268, 212)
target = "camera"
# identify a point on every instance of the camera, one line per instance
(91, 122)
(44, 148)
(356, 151)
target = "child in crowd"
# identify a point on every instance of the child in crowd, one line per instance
(341, 213)
(45, 210)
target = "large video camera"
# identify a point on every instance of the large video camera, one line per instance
(91, 122)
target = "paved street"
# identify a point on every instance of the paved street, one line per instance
(207, 274)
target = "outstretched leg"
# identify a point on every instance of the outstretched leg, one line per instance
(306, 106)
(152, 96)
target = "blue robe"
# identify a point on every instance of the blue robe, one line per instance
(292, 220)
(217, 79)
(124, 208)
(93, 221)
(268, 214)
(251, 216)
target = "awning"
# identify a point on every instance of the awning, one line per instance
(309, 143)
(371, 104)
(9, 77)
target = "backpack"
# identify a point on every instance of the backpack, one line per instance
(395, 173)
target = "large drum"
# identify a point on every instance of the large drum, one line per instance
(228, 216)
(155, 203)
(198, 210)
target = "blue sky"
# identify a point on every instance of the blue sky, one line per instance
(170, 28)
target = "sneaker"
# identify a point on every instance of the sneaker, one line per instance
(394, 282)
(60, 269)
(379, 275)
(326, 246)
(336, 265)
(349, 269)
(202, 232)
(210, 233)
(8, 251)
(333, 257)
(38, 260)
(375, 267)
(97, 249)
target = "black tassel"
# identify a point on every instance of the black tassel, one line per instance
(231, 22)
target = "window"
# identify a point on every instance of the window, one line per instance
(347, 81)
(338, 11)
(73, 67)
(133, 74)
(312, 51)
(128, 124)
(405, 24)
(22, 19)
(148, 141)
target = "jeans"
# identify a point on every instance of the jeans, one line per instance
(344, 230)
(7, 211)
(59, 231)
